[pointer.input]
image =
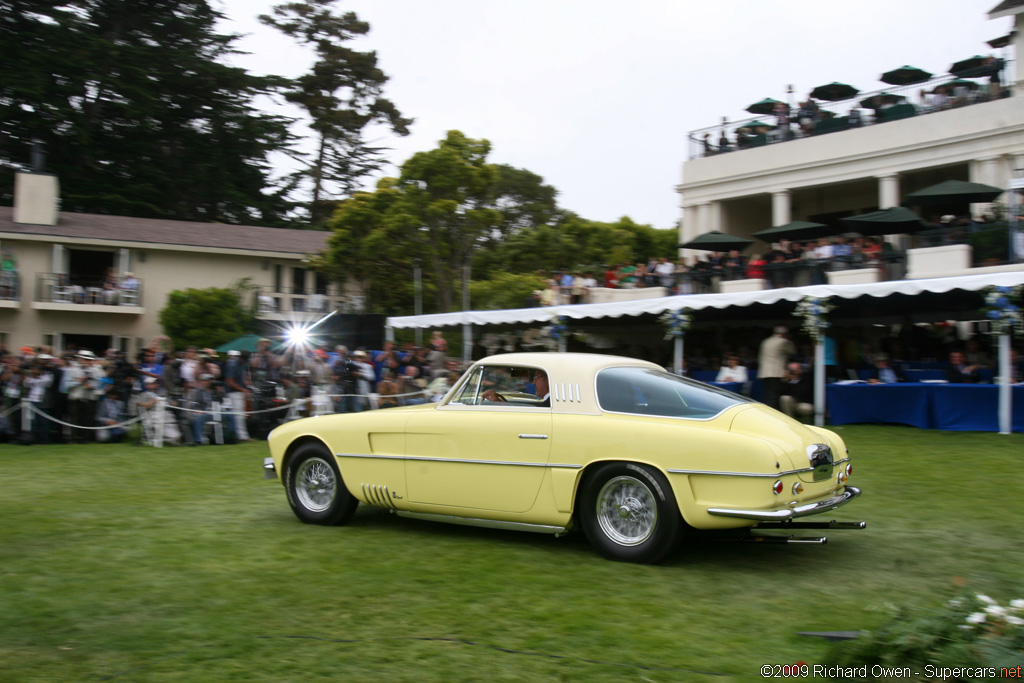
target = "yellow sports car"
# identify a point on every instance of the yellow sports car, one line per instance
(545, 442)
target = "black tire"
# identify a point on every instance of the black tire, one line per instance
(629, 514)
(315, 488)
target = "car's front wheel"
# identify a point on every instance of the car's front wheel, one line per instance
(628, 513)
(315, 489)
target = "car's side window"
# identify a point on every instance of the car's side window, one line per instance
(500, 385)
(643, 391)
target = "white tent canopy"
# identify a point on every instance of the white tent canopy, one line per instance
(696, 302)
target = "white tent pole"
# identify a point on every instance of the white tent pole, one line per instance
(819, 382)
(1005, 395)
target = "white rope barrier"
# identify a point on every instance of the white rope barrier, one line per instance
(32, 408)
(157, 421)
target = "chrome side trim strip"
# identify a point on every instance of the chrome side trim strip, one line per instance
(462, 460)
(485, 523)
(578, 399)
(770, 475)
(750, 474)
(533, 436)
(826, 505)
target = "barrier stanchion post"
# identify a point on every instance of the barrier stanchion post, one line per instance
(1005, 393)
(158, 418)
(26, 416)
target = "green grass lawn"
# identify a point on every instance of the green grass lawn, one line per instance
(126, 563)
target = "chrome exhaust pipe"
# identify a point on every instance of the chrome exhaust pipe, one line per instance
(808, 540)
(833, 524)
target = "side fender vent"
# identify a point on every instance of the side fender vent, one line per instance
(377, 496)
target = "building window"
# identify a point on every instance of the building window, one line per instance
(277, 277)
(89, 268)
(298, 281)
(321, 283)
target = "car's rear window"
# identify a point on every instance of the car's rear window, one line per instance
(644, 391)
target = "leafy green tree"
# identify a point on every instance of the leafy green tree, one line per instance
(138, 112)
(450, 207)
(371, 247)
(206, 317)
(504, 290)
(342, 94)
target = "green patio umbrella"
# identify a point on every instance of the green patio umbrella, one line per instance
(1001, 41)
(717, 241)
(795, 230)
(765, 106)
(246, 342)
(876, 101)
(895, 221)
(953, 192)
(972, 67)
(954, 84)
(755, 124)
(905, 75)
(834, 92)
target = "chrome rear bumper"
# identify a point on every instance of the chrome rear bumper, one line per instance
(796, 511)
(268, 468)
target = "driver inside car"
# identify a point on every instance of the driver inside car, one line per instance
(540, 383)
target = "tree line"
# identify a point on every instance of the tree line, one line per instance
(141, 115)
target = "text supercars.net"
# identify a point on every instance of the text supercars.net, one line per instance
(930, 672)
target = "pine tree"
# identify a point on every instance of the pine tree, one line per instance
(343, 96)
(139, 113)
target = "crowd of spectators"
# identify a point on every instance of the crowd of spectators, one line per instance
(807, 118)
(78, 397)
(783, 264)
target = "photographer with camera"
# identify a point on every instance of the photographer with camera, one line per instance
(84, 387)
(345, 373)
(239, 388)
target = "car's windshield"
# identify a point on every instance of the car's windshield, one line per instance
(645, 391)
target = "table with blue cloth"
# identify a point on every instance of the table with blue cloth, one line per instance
(953, 407)
(905, 403)
(734, 387)
(973, 407)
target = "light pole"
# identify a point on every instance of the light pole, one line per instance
(417, 288)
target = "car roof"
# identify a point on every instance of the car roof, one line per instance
(572, 363)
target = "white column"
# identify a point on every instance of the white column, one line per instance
(1005, 394)
(819, 383)
(888, 190)
(703, 219)
(888, 197)
(782, 210)
(987, 171)
(1018, 51)
(686, 228)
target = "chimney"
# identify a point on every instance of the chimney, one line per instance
(36, 193)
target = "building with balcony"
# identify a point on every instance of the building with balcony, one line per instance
(856, 169)
(65, 277)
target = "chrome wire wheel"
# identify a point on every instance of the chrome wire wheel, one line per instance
(626, 510)
(316, 484)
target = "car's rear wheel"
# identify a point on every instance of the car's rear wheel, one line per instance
(315, 489)
(628, 513)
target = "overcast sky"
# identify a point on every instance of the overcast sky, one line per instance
(597, 96)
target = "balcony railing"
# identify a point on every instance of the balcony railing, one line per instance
(10, 285)
(287, 301)
(58, 288)
(866, 109)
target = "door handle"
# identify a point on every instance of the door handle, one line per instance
(533, 436)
